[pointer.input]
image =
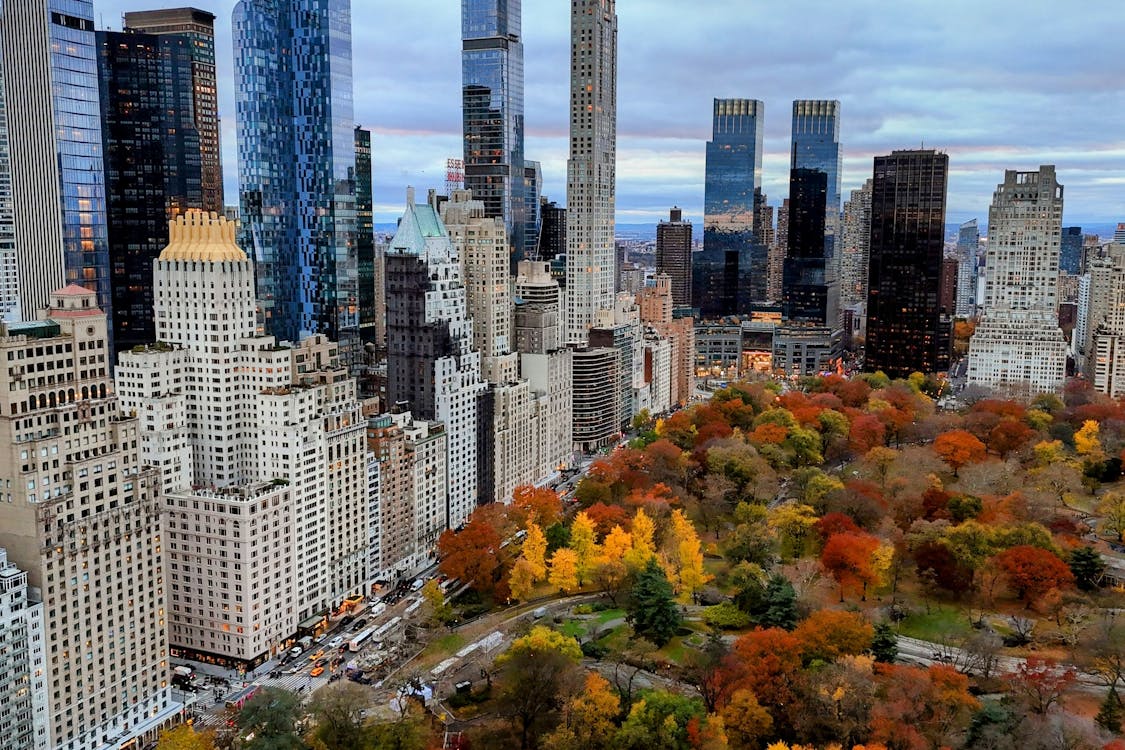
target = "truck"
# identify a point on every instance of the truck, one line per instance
(305, 643)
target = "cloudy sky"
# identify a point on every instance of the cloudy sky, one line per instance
(998, 84)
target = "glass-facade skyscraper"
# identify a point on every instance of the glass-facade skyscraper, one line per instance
(296, 159)
(365, 236)
(54, 126)
(907, 330)
(731, 272)
(153, 164)
(1070, 257)
(492, 112)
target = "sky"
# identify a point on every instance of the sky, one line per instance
(998, 84)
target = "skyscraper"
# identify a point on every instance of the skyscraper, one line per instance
(907, 330)
(102, 586)
(968, 268)
(296, 157)
(855, 244)
(591, 169)
(1070, 250)
(51, 87)
(1018, 346)
(816, 145)
(532, 217)
(673, 255)
(23, 682)
(198, 26)
(153, 164)
(9, 268)
(730, 274)
(552, 231)
(492, 112)
(365, 237)
(809, 337)
(284, 460)
(432, 368)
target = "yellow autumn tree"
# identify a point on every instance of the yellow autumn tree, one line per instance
(583, 540)
(521, 581)
(644, 548)
(616, 544)
(792, 522)
(1086, 441)
(684, 557)
(1048, 452)
(564, 570)
(610, 572)
(535, 551)
(184, 737)
(588, 718)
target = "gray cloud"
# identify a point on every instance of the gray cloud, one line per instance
(1001, 84)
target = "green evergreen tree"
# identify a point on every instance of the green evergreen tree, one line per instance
(884, 646)
(653, 611)
(1087, 566)
(1111, 712)
(779, 604)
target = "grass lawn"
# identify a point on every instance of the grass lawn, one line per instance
(573, 628)
(610, 614)
(941, 621)
(673, 651)
(445, 645)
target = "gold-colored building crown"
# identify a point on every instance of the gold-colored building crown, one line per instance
(202, 236)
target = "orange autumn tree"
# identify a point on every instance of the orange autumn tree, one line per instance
(474, 555)
(959, 448)
(828, 634)
(532, 504)
(920, 709)
(850, 559)
(1033, 572)
(767, 662)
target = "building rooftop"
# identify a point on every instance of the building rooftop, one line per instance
(199, 236)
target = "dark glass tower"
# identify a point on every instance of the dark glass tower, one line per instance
(673, 255)
(816, 145)
(296, 158)
(153, 164)
(492, 112)
(809, 291)
(907, 329)
(1070, 250)
(730, 274)
(198, 26)
(552, 232)
(364, 236)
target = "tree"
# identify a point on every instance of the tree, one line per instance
(583, 540)
(726, 616)
(652, 606)
(884, 643)
(920, 708)
(1111, 508)
(746, 722)
(1009, 435)
(1031, 571)
(539, 669)
(669, 721)
(828, 634)
(685, 557)
(792, 522)
(643, 547)
(1087, 566)
(439, 610)
(1111, 712)
(936, 563)
(958, 448)
(472, 555)
(521, 581)
(271, 716)
(767, 662)
(779, 604)
(588, 718)
(1086, 442)
(338, 710)
(1040, 683)
(535, 551)
(409, 732)
(564, 570)
(849, 558)
(184, 737)
(531, 504)
(703, 670)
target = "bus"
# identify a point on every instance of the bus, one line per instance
(238, 700)
(385, 629)
(356, 643)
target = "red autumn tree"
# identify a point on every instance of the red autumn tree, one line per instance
(834, 523)
(531, 504)
(848, 558)
(958, 448)
(605, 517)
(768, 433)
(1009, 435)
(1040, 683)
(1032, 572)
(920, 709)
(473, 555)
(866, 432)
(935, 562)
(767, 662)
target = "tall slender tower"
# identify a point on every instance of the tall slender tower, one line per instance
(968, 268)
(907, 330)
(855, 247)
(153, 163)
(731, 272)
(198, 26)
(296, 158)
(673, 255)
(51, 85)
(492, 112)
(9, 268)
(591, 170)
(1018, 346)
(365, 237)
(816, 145)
